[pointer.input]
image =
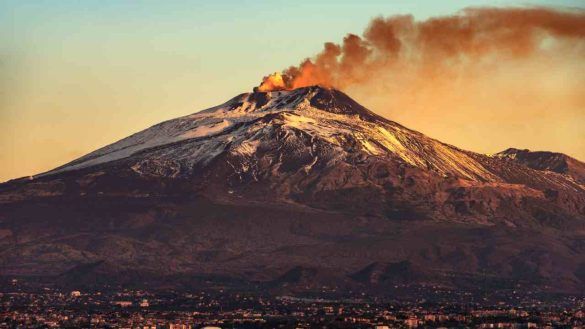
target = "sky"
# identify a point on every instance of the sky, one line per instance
(78, 75)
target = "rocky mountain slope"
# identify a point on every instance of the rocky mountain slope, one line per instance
(549, 161)
(291, 189)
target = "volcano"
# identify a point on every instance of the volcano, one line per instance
(297, 190)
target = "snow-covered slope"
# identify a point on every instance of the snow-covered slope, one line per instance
(241, 126)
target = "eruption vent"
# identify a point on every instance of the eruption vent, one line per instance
(272, 82)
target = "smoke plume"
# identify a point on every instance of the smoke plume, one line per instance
(489, 65)
(434, 45)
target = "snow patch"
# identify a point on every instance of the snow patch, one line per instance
(206, 130)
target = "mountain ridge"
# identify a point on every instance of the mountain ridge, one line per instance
(546, 160)
(280, 187)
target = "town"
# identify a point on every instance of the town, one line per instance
(21, 306)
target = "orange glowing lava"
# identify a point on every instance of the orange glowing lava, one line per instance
(273, 82)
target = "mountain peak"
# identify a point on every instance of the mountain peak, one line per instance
(317, 97)
(318, 126)
(297, 130)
